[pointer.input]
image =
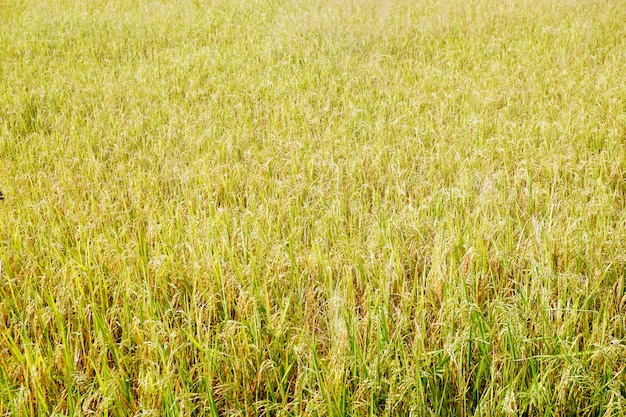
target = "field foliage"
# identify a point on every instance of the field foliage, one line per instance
(313, 208)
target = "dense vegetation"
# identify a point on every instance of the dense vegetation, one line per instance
(290, 207)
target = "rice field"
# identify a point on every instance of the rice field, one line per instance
(313, 208)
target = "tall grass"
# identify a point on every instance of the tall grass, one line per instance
(285, 207)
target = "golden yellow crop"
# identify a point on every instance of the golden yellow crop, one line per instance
(313, 208)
